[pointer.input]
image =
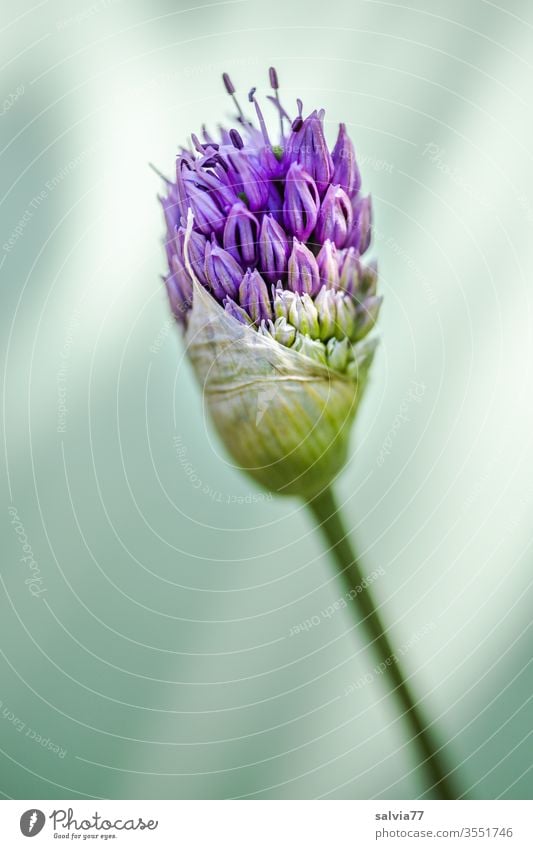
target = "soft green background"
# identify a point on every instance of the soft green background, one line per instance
(159, 656)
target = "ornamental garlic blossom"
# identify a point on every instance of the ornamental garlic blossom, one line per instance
(265, 245)
(265, 239)
(279, 230)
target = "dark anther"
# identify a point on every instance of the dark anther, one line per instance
(251, 94)
(236, 139)
(230, 88)
(273, 75)
(197, 143)
(221, 161)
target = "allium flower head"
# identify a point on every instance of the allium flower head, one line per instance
(265, 238)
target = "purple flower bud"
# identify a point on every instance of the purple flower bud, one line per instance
(197, 246)
(303, 270)
(290, 215)
(236, 311)
(307, 146)
(241, 233)
(253, 296)
(328, 265)
(360, 235)
(300, 207)
(208, 216)
(345, 171)
(222, 271)
(248, 179)
(172, 210)
(274, 203)
(214, 184)
(171, 245)
(273, 250)
(335, 217)
(179, 290)
(350, 268)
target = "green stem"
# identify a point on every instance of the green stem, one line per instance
(328, 518)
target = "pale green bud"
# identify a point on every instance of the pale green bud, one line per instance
(337, 353)
(304, 316)
(312, 348)
(325, 305)
(345, 316)
(280, 330)
(283, 301)
(360, 359)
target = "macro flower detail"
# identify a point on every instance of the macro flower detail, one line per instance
(265, 244)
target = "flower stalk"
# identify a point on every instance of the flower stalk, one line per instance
(328, 519)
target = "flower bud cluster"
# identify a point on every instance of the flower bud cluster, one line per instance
(279, 231)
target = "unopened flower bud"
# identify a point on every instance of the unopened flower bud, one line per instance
(253, 296)
(241, 233)
(312, 348)
(337, 353)
(307, 146)
(303, 273)
(359, 238)
(328, 265)
(214, 184)
(247, 180)
(303, 315)
(283, 300)
(208, 215)
(335, 217)
(280, 330)
(273, 250)
(179, 290)
(345, 171)
(345, 316)
(223, 272)
(325, 304)
(349, 271)
(235, 311)
(274, 204)
(300, 207)
(197, 249)
(268, 285)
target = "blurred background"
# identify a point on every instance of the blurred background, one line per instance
(166, 628)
